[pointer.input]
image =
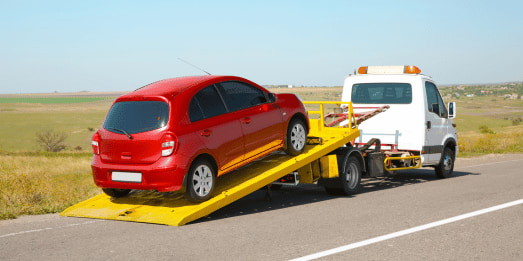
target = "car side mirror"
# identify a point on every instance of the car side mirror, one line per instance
(272, 97)
(452, 110)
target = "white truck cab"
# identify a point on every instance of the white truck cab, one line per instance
(417, 121)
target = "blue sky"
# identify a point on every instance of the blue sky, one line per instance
(70, 46)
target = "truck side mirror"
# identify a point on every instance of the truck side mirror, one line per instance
(452, 110)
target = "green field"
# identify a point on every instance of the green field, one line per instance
(51, 100)
(21, 121)
(18, 130)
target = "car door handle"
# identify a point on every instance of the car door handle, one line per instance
(206, 133)
(429, 125)
(246, 120)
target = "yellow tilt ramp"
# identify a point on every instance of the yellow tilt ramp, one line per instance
(172, 209)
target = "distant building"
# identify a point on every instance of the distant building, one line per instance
(290, 86)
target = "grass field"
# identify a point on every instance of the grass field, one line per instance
(21, 121)
(51, 100)
(38, 183)
(34, 182)
(497, 114)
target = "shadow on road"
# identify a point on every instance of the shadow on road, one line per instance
(302, 194)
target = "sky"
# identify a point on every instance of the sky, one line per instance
(71, 46)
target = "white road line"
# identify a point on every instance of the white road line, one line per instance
(48, 228)
(407, 231)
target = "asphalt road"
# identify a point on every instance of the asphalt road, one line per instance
(305, 220)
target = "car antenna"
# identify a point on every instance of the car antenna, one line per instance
(193, 65)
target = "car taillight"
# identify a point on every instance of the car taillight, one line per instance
(168, 144)
(96, 143)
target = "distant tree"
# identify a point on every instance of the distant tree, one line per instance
(51, 140)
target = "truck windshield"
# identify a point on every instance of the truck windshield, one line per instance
(137, 116)
(382, 93)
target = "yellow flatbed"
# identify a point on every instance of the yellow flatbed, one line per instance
(172, 209)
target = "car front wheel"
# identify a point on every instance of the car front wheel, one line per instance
(296, 137)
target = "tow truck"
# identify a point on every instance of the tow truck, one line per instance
(343, 146)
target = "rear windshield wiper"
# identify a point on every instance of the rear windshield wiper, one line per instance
(122, 131)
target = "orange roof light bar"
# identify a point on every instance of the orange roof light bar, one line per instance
(362, 70)
(399, 69)
(412, 69)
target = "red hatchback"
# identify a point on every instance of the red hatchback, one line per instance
(182, 133)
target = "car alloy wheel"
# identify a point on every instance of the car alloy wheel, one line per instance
(202, 180)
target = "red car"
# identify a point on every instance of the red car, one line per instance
(180, 134)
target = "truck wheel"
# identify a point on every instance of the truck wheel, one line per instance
(116, 193)
(350, 179)
(445, 168)
(200, 182)
(296, 137)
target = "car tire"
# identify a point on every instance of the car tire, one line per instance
(296, 137)
(200, 181)
(446, 166)
(116, 193)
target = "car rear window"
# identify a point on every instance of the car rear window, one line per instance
(137, 116)
(381, 93)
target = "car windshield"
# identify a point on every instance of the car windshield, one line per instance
(381, 93)
(136, 116)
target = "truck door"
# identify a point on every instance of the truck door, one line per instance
(435, 125)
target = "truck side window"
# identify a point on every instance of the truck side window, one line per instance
(434, 101)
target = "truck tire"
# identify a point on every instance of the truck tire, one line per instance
(446, 166)
(116, 193)
(349, 179)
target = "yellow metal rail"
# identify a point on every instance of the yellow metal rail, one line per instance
(172, 209)
(415, 159)
(320, 128)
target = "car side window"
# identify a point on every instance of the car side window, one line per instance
(239, 95)
(195, 110)
(206, 103)
(434, 101)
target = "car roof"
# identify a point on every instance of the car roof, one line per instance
(173, 86)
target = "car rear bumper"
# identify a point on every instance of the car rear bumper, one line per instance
(166, 174)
